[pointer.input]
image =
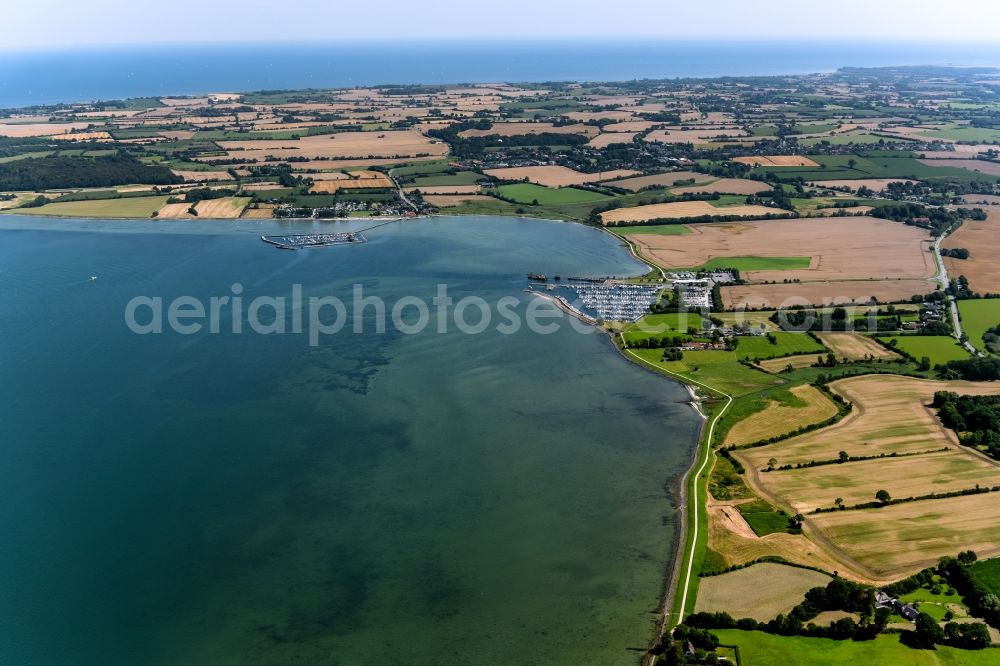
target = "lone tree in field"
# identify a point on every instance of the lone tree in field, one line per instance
(839, 502)
(883, 496)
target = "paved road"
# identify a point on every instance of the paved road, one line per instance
(402, 194)
(942, 278)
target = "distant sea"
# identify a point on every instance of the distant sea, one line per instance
(46, 77)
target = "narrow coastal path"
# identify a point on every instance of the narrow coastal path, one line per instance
(695, 503)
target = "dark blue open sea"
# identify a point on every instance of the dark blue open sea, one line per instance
(381, 498)
(45, 77)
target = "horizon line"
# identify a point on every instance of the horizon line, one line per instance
(446, 41)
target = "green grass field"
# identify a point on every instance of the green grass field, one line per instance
(418, 168)
(660, 325)
(762, 518)
(965, 133)
(527, 193)
(128, 207)
(979, 316)
(987, 573)
(938, 348)
(760, 649)
(658, 229)
(719, 369)
(460, 178)
(860, 138)
(838, 167)
(756, 263)
(760, 347)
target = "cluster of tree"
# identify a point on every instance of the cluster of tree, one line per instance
(960, 289)
(672, 354)
(955, 253)
(44, 173)
(992, 340)
(975, 417)
(197, 194)
(979, 369)
(672, 649)
(659, 343)
(936, 219)
(776, 197)
(281, 172)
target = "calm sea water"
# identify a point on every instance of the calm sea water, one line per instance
(84, 75)
(246, 499)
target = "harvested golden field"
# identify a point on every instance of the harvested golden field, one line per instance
(202, 176)
(854, 346)
(836, 212)
(761, 591)
(263, 211)
(328, 175)
(890, 417)
(659, 179)
(776, 161)
(847, 248)
(630, 126)
(360, 145)
(895, 541)
(555, 176)
(730, 536)
(982, 268)
(516, 129)
(776, 365)
(366, 181)
(679, 210)
(224, 208)
(822, 292)
(725, 186)
(694, 135)
(617, 115)
(874, 184)
(804, 490)
(778, 419)
(609, 138)
(83, 136)
(981, 199)
(184, 101)
(450, 200)
(39, 129)
(173, 211)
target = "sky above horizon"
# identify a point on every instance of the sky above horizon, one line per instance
(65, 24)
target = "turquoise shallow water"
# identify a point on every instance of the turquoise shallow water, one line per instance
(240, 499)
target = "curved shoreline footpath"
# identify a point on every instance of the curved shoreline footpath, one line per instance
(678, 573)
